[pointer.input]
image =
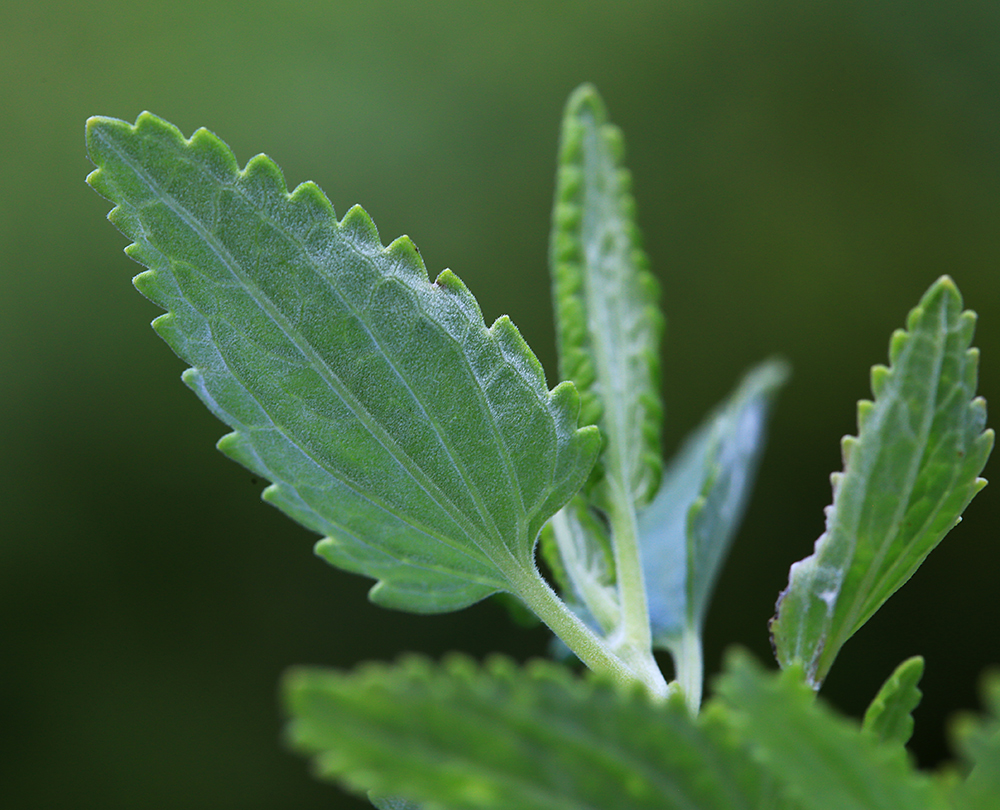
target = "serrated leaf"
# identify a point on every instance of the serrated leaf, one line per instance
(499, 737)
(609, 326)
(889, 717)
(908, 476)
(977, 739)
(685, 533)
(426, 447)
(823, 761)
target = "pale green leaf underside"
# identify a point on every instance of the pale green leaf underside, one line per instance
(424, 446)
(609, 326)
(907, 478)
(889, 717)
(823, 761)
(686, 531)
(498, 738)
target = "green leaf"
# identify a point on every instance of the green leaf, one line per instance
(889, 718)
(424, 446)
(499, 737)
(977, 739)
(823, 761)
(908, 475)
(686, 532)
(609, 326)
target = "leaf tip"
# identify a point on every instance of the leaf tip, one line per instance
(946, 285)
(97, 130)
(942, 296)
(92, 130)
(97, 124)
(585, 98)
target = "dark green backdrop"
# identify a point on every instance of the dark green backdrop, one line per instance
(804, 170)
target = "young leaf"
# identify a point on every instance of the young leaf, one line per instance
(609, 326)
(908, 475)
(425, 446)
(609, 329)
(500, 737)
(889, 718)
(823, 761)
(686, 531)
(978, 741)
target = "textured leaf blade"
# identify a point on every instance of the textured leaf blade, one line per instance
(496, 738)
(822, 760)
(685, 533)
(426, 447)
(889, 717)
(907, 478)
(608, 324)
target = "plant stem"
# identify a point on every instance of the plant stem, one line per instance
(634, 638)
(610, 290)
(690, 667)
(585, 644)
(599, 598)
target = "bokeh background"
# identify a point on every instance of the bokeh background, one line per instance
(804, 170)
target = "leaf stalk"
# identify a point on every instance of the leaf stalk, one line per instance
(585, 644)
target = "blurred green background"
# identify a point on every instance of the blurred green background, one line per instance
(804, 170)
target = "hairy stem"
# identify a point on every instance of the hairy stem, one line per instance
(597, 597)
(688, 658)
(585, 644)
(634, 636)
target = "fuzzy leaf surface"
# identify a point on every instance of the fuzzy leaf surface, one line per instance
(424, 446)
(823, 761)
(908, 476)
(461, 736)
(608, 323)
(889, 717)
(685, 533)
